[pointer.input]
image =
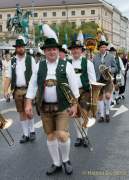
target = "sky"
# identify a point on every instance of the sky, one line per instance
(122, 5)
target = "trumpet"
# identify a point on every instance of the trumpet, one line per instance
(4, 124)
(106, 74)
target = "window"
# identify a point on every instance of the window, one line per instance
(54, 23)
(63, 13)
(45, 14)
(54, 13)
(8, 15)
(92, 11)
(73, 24)
(73, 13)
(82, 22)
(35, 14)
(0, 16)
(82, 12)
(1, 28)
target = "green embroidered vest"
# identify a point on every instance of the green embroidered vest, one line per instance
(60, 77)
(28, 71)
(84, 74)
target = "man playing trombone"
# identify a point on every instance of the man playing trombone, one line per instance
(85, 74)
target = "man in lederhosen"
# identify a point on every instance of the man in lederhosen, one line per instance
(119, 76)
(103, 57)
(53, 105)
(19, 74)
(85, 74)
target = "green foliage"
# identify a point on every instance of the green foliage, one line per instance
(89, 28)
(38, 34)
(66, 31)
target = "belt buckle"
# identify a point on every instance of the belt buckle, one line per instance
(50, 83)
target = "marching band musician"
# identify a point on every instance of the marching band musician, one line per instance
(85, 74)
(103, 58)
(19, 74)
(119, 77)
(53, 105)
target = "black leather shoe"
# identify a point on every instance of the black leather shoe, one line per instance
(32, 136)
(123, 97)
(24, 139)
(68, 168)
(101, 120)
(85, 142)
(107, 118)
(117, 100)
(78, 142)
(53, 169)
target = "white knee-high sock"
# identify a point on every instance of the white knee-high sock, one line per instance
(77, 124)
(65, 150)
(25, 129)
(53, 148)
(116, 94)
(107, 105)
(101, 108)
(31, 125)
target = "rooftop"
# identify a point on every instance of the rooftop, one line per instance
(27, 3)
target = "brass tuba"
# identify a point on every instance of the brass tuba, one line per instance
(4, 124)
(91, 45)
(106, 74)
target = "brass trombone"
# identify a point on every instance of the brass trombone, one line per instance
(4, 124)
(89, 119)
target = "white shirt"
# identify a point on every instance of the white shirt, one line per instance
(20, 70)
(50, 94)
(122, 68)
(90, 71)
(102, 57)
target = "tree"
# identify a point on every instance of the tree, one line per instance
(65, 32)
(89, 28)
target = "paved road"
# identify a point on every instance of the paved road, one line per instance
(110, 156)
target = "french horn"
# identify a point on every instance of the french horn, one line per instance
(105, 72)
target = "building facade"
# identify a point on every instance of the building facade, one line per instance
(74, 11)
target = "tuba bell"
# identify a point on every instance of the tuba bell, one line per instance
(4, 125)
(90, 44)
